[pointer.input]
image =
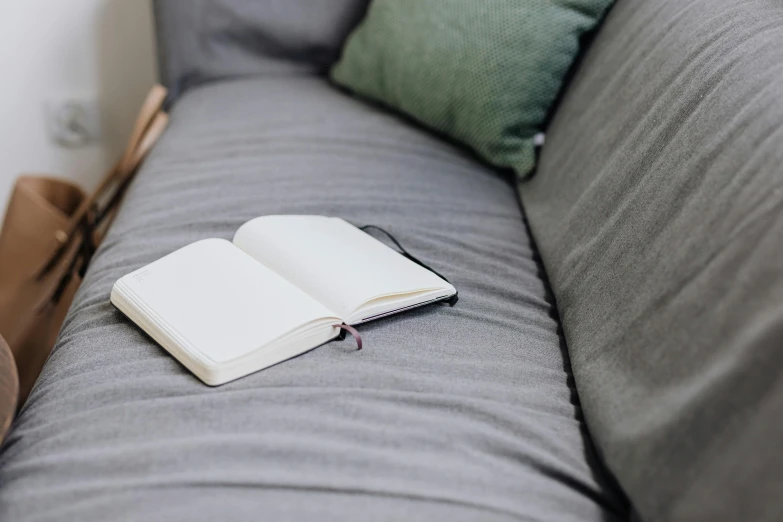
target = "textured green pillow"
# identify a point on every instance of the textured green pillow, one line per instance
(484, 72)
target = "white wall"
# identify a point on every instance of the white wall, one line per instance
(56, 48)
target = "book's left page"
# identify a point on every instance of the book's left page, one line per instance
(220, 312)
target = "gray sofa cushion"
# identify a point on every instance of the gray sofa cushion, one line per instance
(658, 209)
(464, 413)
(201, 40)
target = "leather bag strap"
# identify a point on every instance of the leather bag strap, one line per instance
(148, 127)
(149, 110)
(145, 144)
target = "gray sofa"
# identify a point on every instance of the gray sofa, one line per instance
(616, 351)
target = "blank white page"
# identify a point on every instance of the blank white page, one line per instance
(222, 301)
(333, 261)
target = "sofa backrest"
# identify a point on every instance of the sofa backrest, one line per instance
(203, 40)
(658, 211)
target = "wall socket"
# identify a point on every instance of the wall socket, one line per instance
(73, 122)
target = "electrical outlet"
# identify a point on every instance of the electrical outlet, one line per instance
(73, 121)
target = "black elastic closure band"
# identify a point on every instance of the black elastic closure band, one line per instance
(404, 252)
(351, 330)
(347, 329)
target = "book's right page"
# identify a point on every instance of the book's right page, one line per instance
(349, 271)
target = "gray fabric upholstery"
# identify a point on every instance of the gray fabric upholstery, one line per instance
(202, 40)
(464, 413)
(658, 210)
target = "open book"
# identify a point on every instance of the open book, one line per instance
(282, 287)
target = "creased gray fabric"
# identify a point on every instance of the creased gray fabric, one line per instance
(203, 40)
(658, 210)
(464, 413)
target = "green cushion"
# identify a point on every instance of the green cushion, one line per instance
(484, 72)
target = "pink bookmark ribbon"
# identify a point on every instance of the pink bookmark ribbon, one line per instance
(351, 330)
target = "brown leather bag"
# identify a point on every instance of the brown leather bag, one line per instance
(49, 234)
